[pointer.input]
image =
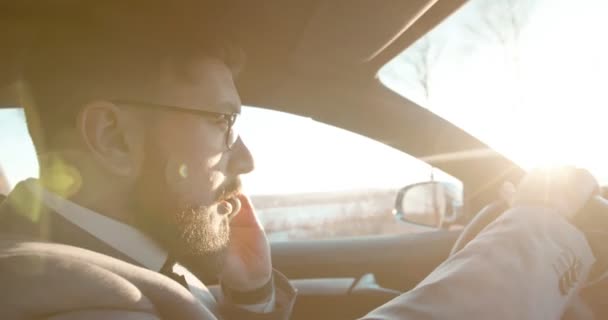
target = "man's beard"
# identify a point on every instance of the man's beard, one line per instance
(196, 236)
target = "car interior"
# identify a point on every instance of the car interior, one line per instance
(320, 59)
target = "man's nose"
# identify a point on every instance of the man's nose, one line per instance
(241, 159)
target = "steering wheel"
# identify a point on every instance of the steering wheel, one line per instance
(594, 211)
(481, 220)
(592, 296)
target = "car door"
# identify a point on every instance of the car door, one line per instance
(325, 197)
(345, 279)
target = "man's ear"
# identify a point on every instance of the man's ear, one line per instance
(104, 128)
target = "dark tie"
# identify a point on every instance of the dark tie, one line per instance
(167, 270)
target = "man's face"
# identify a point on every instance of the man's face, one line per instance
(185, 194)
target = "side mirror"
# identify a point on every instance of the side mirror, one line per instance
(432, 204)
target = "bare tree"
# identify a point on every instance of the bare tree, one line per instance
(503, 21)
(422, 57)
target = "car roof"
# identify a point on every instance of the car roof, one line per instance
(321, 59)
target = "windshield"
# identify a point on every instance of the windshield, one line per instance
(524, 76)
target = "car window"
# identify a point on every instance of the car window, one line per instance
(518, 76)
(312, 180)
(17, 155)
(316, 181)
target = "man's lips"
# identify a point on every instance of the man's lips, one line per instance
(230, 206)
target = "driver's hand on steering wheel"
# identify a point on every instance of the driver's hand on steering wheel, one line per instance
(564, 189)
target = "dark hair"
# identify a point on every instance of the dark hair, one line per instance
(67, 59)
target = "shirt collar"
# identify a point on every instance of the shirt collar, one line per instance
(119, 236)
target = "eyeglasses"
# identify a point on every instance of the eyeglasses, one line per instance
(232, 134)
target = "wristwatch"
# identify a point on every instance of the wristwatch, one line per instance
(256, 296)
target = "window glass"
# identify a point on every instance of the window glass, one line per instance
(525, 76)
(17, 155)
(315, 181)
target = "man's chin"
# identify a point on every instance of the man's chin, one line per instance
(203, 241)
(192, 237)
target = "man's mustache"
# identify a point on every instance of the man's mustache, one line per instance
(230, 190)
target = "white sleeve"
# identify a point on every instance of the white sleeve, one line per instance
(528, 264)
(265, 307)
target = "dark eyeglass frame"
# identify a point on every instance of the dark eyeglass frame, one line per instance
(231, 135)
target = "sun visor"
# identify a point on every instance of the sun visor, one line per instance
(362, 28)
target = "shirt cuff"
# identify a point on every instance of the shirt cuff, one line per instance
(265, 307)
(251, 301)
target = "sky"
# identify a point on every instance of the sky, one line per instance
(549, 109)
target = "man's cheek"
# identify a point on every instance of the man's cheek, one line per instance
(215, 175)
(216, 180)
(177, 173)
(193, 180)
